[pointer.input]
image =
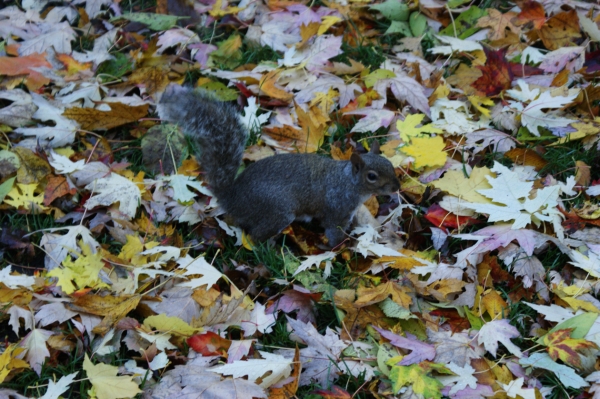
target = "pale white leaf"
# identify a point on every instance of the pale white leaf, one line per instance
(515, 389)
(566, 375)
(200, 266)
(16, 313)
(251, 119)
(277, 365)
(55, 389)
(160, 361)
(58, 247)
(64, 165)
(464, 378)
(590, 27)
(259, 321)
(15, 281)
(37, 352)
(315, 260)
(112, 189)
(533, 117)
(454, 44)
(499, 331)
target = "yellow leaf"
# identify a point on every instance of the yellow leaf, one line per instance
(106, 383)
(378, 75)
(327, 23)
(173, 325)
(218, 12)
(9, 361)
(478, 102)
(83, 271)
(583, 130)
(368, 296)
(427, 151)
(455, 183)
(408, 127)
(23, 195)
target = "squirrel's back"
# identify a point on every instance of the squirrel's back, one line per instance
(217, 128)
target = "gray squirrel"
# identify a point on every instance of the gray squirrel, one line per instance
(275, 191)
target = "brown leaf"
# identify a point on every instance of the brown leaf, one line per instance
(308, 31)
(561, 30)
(113, 308)
(288, 391)
(33, 168)
(464, 77)
(154, 78)
(583, 174)
(57, 187)
(498, 23)
(94, 119)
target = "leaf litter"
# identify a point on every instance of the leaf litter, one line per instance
(479, 280)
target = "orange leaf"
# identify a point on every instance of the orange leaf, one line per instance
(268, 85)
(531, 12)
(15, 66)
(57, 187)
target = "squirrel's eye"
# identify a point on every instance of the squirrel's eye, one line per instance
(372, 177)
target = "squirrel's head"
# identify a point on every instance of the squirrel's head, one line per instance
(375, 173)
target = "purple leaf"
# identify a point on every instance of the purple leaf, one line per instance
(420, 350)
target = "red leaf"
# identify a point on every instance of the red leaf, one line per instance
(442, 218)
(497, 74)
(209, 344)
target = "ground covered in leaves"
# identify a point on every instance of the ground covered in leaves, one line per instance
(120, 277)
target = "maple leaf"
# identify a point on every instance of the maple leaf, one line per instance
(198, 266)
(533, 118)
(315, 260)
(561, 346)
(419, 377)
(420, 351)
(23, 195)
(455, 182)
(404, 88)
(112, 189)
(16, 314)
(455, 44)
(459, 348)
(10, 360)
(531, 12)
(37, 351)
(369, 296)
(514, 389)
(373, 120)
(15, 281)
(55, 389)
(427, 151)
(321, 356)
(498, 23)
(464, 378)
(105, 382)
(277, 366)
(514, 197)
(84, 271)
(499, 331)
(408, 127)
(497, 74)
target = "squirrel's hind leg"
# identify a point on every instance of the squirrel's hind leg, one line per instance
(269, 226)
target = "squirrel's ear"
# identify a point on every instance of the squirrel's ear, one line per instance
(375, 148)
(357, 163)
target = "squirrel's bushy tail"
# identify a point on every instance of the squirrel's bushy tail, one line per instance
(215, 125)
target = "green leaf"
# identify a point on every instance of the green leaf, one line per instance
(6, 187)
(476, 322)
(393, 10)
(377, 75)
(417, 376)
(399, 27)
(418, 23)
(156, 22)
(115, 68)
(456, 3)
(221, 92)
(465, 24)
(581, 325)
